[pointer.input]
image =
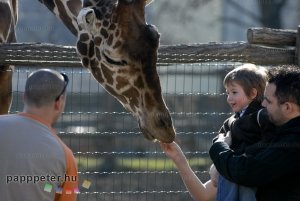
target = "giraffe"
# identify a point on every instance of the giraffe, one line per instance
(8, 20)
(120, 50)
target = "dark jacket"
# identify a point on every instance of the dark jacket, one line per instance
(272, 165)
(244, 130)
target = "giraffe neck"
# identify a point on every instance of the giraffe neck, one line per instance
(8, 20)
(100, 54)
(120, 49)
(66, 11)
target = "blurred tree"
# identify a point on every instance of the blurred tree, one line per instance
(269, 16)
(271, 13)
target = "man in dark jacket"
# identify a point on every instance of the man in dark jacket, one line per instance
(272, 165)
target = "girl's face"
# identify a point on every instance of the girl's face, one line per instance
(236, 97)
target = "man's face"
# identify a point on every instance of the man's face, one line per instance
(274, 108)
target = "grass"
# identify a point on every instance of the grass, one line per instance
(149, 164)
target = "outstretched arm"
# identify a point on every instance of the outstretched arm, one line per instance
(66, 11)
(198, 190)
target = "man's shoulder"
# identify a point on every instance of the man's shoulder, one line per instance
(10, 119)
(8, 116)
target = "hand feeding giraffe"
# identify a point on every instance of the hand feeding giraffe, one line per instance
(120, 50)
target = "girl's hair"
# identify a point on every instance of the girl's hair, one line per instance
(249, 76)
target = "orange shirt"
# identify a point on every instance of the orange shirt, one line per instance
(35, 163)
(69, 187)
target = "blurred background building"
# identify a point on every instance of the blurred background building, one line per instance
(179, 22)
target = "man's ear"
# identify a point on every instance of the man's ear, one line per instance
(58, 104)
(253, 93)
(289, 107)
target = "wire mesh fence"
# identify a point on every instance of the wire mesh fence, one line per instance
(115, 161)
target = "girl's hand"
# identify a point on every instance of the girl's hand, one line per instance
(214, 175)
(172, 150)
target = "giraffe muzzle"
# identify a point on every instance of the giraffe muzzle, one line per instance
(157, 126)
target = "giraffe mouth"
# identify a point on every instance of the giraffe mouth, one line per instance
(147, 134)
(113, 61)
(158, 128)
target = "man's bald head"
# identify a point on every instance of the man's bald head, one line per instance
(43, 87)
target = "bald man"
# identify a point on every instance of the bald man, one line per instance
(35, 164)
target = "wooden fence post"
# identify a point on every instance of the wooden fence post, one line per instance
(297, 51)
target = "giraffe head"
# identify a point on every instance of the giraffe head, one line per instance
(120, 49)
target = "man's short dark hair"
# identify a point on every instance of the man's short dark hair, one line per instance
(286, 78)
(43, 86)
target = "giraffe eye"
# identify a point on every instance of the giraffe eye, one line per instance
(127, 1)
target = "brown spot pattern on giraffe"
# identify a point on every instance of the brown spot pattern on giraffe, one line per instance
(139, 83)
(149, 101)
(65, 18)
(97, 74)
(97, 41)
(94, 63)
(85, 62)
(134, 95)
(110, 39)
(112, 27)
(91, 49)
(73, 5)
(5, 20)
(98, 55)
(82, 48)
(104, 33)
(118, 44)
(107, 73)
(112, 91)
(121, 82)
(84, 37)
(105, 23)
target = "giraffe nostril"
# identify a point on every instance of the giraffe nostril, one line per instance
(164, 120)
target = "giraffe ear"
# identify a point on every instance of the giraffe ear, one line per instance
(85, 17)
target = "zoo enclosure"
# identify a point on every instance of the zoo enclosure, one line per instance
(109, 148)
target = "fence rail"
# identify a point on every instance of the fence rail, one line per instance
(43, 54)
(265, 46)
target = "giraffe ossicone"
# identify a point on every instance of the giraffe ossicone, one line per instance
(120, 49)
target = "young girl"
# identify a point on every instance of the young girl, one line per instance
(245, 87)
